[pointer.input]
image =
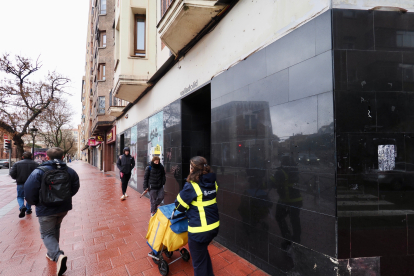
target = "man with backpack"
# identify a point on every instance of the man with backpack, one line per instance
(154, 181)
(51, 187)
(21, 171)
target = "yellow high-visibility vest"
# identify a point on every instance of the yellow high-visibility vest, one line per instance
(200, 204)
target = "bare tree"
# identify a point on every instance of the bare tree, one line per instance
(54, 127)
(21, 100)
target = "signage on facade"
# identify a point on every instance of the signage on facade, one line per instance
(110, 137)
(99, 138)
(5, 136)
(189, 88)
(93, 142)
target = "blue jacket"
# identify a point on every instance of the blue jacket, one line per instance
(32, 190)
(207, 186)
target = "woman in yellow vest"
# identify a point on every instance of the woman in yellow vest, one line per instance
(198, 199)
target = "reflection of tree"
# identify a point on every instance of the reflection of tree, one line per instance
(172, 115)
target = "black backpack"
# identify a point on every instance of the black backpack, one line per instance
(55, 188)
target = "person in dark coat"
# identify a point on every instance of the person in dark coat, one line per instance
(21, 171)
(154, 181)
(125, 165)
(198, 199)
(50, 218)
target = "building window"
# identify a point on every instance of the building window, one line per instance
(101, 105)
(250, 121)
(103, 6)
(405, 39)
(139, 40)
(164, 6)
(101, 71)
(103, 39)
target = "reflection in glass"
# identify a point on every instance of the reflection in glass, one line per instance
(290, 200)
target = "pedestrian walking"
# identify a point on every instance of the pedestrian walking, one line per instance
(198, 199)
(125, 165)
(21, 171)
(154, 181)
(51, 187)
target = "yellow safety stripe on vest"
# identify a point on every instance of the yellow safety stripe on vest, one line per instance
(200, 206)
(287, 184)
(181, 201)
(216, 186)
(197, 190)
(201, 229)
(204, 203)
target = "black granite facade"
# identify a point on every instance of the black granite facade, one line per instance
(273, 148)
(374, 97)
(142, 152)
(172, 150)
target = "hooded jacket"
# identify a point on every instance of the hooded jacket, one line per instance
(154, 177)
(22, 169)
(32, 189)
(125, 163)
(188, 195)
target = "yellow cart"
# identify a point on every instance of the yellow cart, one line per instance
(167, 232)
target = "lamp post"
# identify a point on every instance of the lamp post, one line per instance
(33, 131)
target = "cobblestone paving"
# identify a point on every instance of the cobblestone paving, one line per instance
(101, 235)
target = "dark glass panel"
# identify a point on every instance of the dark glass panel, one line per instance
(391, 111)
(340, 73)
(353, 29)
(374, 71)
(344, 238)
(408, 71)
(355, 111)
(394, 31)
(380, 235)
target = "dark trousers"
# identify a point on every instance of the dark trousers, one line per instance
(156, 197)
(50, 234)
(125, 180)
(282, 211)
(201, 258)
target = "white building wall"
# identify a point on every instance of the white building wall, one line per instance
(247, 28)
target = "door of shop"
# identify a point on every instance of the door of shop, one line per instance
(196, 127)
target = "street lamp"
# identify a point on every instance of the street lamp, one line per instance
(33, 131)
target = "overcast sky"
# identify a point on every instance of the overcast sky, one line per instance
(53, 29)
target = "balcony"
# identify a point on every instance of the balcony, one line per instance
(116, 106)
(184, 19)
(129, 88)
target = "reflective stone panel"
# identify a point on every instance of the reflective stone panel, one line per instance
(172, 150)
(394, 31)
(353, 29)
(374, 113)
(273, 146)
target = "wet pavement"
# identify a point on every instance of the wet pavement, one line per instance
(101, 235)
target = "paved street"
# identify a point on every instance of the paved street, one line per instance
(100, 236)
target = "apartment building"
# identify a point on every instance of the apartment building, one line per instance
(98, 83)
(315, 91)
(87, 93)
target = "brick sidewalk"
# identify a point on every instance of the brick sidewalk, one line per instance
(101, 235)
